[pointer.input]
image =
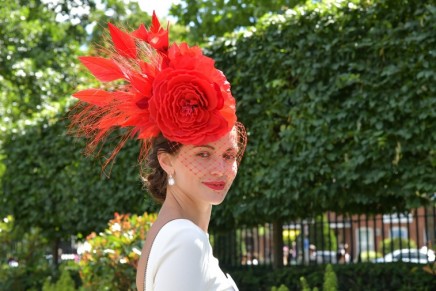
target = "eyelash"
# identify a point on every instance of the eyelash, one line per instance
(225, 156)
(203, 155)
(230, 156)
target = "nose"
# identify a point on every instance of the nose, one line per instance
(219, 168)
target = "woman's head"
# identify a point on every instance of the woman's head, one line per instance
(206, 171)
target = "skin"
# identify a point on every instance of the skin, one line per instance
(203, 176)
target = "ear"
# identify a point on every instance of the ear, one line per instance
(166, 162)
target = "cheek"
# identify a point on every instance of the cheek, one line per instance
(194, 168)
(232, 171)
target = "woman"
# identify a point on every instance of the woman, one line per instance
(180, 107)
(177, 254)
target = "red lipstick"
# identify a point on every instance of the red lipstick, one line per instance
(215, 185)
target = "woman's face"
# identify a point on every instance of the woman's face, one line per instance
(205, 173)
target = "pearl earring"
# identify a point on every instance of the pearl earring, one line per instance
(171, 180)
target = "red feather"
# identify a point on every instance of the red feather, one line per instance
(148, 69)
(157, 36)
(110, 121)
(124, 43)
(155, 24)
(142, 84)
(103, 69)
(94, 96)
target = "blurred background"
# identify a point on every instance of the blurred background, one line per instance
(336, 190)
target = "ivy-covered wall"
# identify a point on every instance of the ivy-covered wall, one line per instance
(339, 101)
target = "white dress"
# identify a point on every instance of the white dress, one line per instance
(181, 259)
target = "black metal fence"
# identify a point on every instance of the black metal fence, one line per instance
(334, 238)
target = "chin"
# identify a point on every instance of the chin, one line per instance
(215, 203)
(218, 200)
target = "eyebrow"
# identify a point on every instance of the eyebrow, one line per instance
(205, 146)
(212, 148)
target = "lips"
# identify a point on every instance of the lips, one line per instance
(215, 185)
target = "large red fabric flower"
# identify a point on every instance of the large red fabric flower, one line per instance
(192, 103)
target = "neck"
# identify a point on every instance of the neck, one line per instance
(176, 207)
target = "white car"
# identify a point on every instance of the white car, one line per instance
(324, 257)
(408, 256)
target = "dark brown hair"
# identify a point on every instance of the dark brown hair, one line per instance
(155, 178)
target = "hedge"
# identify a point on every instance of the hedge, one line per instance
(364, 276)
(339, 104)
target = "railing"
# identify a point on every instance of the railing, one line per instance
(334, 238)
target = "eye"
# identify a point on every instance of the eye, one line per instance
(203, 154)
(229, 156)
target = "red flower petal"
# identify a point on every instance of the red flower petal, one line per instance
(94, 96)
(142, 104)
(124, 42)
(103, 69)
(189, 107)
(141, 33)
(220, 98)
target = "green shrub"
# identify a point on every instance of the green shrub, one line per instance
(364, 276)
(280, 288)
(111, 258)
(304, 284)
(369, 256)
(389, 245)
(330, 279)
(65, 283)
(27, 249)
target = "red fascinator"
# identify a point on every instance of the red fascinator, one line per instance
(153, 88)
